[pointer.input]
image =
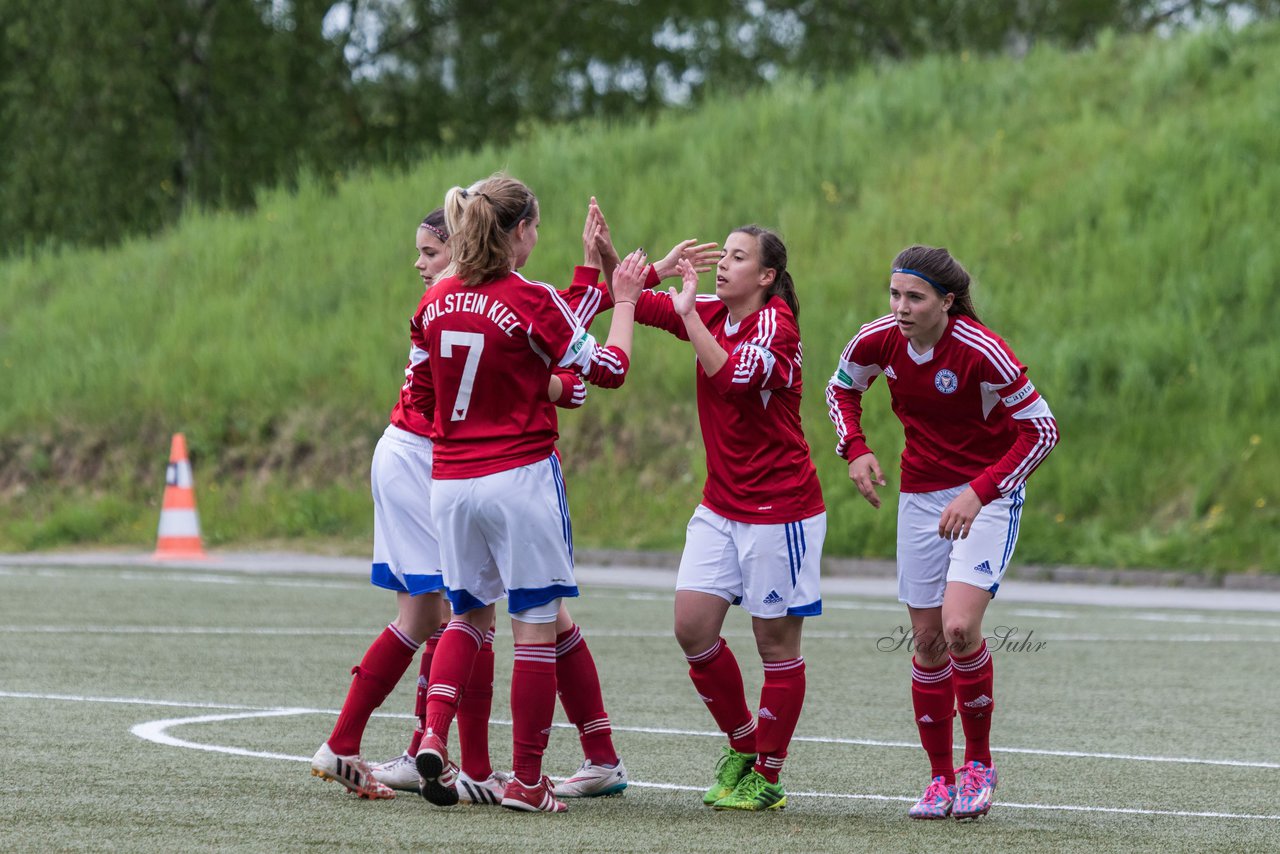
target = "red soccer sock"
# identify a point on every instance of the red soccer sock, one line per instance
(473, 714)
(386, 660)
(424, 679)
(934, 703)
(450, 668)
(718, 681)
(579, 685)
(781, 698)
(533, 704)
(973, 679)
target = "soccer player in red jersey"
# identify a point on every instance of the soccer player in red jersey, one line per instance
(407, 561)
(975, 430)
(756, 538)
(492, 339)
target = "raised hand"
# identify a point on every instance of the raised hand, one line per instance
(597, 242)
(687, 297)
(702, 256)
(628, 279)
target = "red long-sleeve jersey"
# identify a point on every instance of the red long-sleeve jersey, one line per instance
(491, 349)
(969, 411)
(758, 464)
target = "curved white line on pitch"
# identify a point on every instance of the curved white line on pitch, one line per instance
(155, 731)
(864, 742)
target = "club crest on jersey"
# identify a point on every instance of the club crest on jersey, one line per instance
(946, 381)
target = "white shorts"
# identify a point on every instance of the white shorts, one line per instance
(771, 570)
(926, 562)
(406, 550)
(507, 534)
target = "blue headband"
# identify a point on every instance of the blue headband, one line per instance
(942, 289)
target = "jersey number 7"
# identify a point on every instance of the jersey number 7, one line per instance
(474, 344)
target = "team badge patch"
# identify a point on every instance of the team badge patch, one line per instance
(945, 381)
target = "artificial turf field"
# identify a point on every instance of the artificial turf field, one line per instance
(165, 710)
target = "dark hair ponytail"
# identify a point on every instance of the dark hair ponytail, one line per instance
(773, 256)
(947, 274)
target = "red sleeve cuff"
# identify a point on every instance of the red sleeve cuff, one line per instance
(855, 449)
(586, 276)
(985, 486)
(651, 278)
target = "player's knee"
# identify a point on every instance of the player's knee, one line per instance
(961, 636)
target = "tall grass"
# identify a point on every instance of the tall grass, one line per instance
(1117, 208)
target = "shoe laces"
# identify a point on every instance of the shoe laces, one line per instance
(731, 762)
(751, 785)
(976, 776)
(938, 791)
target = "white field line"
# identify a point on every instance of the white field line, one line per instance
(810, 634)
(863, 742)
(1087, 612)
(157, 732)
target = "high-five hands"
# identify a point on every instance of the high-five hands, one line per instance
(628, 279)
(686, 298)
(702, 256)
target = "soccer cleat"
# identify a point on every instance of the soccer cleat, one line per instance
(486, 792)
(755, 793)
(399, 773)
(936, 801)
(439, 775)
(731, 768)
(351, 771)
(540, 797)
(977, 782)
(594, 781)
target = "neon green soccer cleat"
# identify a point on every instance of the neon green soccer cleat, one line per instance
(754, 792)
(730, 770)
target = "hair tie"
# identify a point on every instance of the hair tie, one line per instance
(942, 289)
(462, 191)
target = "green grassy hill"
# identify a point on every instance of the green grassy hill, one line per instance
(1117, 208)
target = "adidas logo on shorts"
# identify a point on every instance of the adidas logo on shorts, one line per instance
(773, 598)
(984, 568)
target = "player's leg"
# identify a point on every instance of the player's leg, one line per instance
(460, 509)
(781, 586)
(533, 703)
(978, 564)
(708, 582)
(384, 662)
(532, 544)
(478, 782)
(418, 615)
(923, 558)
(578, 684)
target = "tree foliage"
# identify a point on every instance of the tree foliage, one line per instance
(115, 115)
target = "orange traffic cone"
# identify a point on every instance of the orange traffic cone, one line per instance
(179, 536)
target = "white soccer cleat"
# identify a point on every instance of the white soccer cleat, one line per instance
(486, 792)
(399, 773)
(594, 781)
(351, 771)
